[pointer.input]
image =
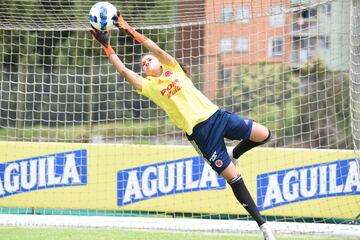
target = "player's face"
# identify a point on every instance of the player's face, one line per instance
(151, 65)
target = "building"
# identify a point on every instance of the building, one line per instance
(231, 33)
(321, 32)
(242, 32)
(190, 37)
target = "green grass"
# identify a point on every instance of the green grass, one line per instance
(16, 233)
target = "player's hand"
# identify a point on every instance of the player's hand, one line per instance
(104, 39)
(120, 22)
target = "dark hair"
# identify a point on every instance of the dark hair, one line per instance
(183, 66)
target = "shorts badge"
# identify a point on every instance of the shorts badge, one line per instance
(218, 163)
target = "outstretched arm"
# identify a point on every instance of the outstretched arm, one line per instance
(163, 56)
(133, 78)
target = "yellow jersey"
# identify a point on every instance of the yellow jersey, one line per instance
(176, 94)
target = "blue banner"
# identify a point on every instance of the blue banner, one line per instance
(331, 179)
(166, 178)
(42, 172)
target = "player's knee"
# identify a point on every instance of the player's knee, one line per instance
(267, 139)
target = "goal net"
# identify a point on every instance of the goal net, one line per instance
(77, 139)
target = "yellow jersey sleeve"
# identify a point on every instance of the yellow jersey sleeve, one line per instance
(144, 83)
(175, 93)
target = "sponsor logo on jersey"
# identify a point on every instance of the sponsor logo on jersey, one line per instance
(166, 178)
(49, 171)
(331, 179)
(171, 89)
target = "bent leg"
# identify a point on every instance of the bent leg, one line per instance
(259, 136)
(249, 132)
(259, 133)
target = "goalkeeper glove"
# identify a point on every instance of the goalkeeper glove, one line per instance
(121, 23)
(104, 39)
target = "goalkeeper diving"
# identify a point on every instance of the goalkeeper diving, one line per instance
(206, 125)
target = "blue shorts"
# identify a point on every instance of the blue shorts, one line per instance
(208, 137)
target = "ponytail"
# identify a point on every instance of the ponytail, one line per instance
(186, 70)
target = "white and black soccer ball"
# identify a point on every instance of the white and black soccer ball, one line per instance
(102, 16)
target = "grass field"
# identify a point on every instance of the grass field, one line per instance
(16, 233)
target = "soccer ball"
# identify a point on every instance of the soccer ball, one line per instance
(102, 16)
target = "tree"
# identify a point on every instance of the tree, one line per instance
(267, 93)
(54, 76)
(324, 101)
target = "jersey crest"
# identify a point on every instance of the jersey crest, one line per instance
(168, 73)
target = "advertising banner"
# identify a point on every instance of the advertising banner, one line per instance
(165, 178)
